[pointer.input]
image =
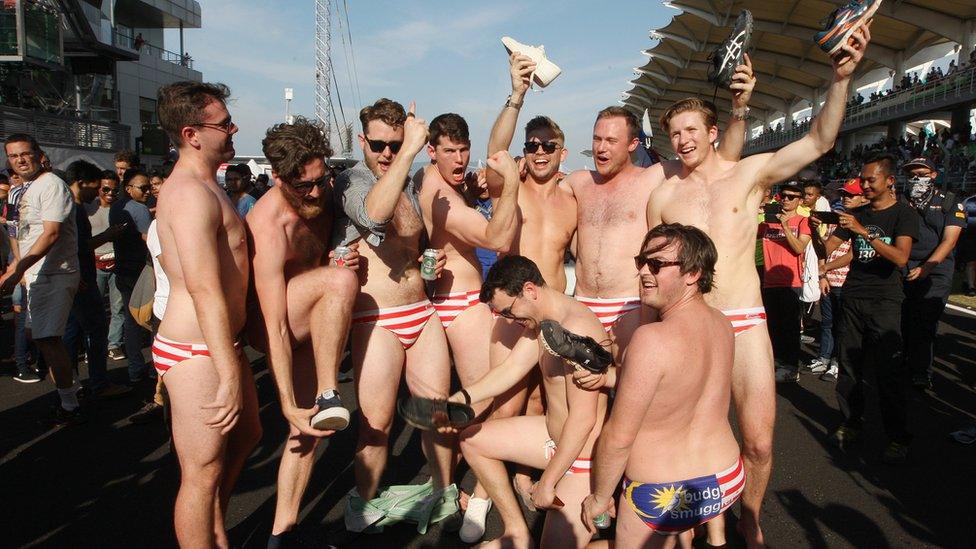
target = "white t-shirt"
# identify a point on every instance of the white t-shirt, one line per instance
(98, 217)
(47, 198)
(162, 283)
(822, 205)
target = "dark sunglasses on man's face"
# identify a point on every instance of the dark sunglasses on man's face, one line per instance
(378, 146)
(791, 196)
(653, 264)
(142, 188)
(109, 190)
(305, 187)
(532, 147)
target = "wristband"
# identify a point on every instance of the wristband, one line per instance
(513, 104)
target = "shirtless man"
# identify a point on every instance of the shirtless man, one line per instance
(560, 442)
(305, 304)
(391, 331)
(458, 228)
(611, 218)
(205, 258)
(670, 414)
(720, 196)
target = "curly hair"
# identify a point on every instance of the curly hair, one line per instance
(288, 147)
(385, 110)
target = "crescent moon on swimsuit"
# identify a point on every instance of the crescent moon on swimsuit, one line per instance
(629, 494)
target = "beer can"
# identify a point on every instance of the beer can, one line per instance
(339, 255)
(429, 264)
(602, 521)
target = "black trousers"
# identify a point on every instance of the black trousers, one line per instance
(871, 336)
(135, 337)
(783, 320)
(924, 303)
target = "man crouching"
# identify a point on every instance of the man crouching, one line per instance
(670, 415)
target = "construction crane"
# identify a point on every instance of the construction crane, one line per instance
(323, 64)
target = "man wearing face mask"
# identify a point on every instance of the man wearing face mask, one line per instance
(930, 267)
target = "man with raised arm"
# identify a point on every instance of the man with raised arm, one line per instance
(720, 196)
(205, 258)
(457, 228)
(305, 303)
(558, 443)
(670, 413)
(392, 333)
(613, 200)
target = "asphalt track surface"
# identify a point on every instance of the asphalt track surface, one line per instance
(109, 483)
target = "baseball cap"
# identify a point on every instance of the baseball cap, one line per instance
(853, 186)
(920, 162)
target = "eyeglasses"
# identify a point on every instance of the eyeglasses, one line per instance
(507, 311)
(532, 147)
(653, 264)
(109, 190)
(378, 146)
(792, 196)
(225, 126)
(141, 188)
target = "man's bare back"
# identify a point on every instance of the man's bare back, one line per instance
(180, 322)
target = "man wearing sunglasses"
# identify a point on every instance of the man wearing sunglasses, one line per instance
(546, 225)
(301, 316)
(391, 334)
(670, 417)
(720, 196)
(558, 443)
(98, 210)
(205, 258)
(784, 241)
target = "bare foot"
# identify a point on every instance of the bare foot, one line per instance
(508, 541)
(751, 533)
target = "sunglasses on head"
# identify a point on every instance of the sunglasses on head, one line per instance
(378, 146)
(532, 147)
(653, 264)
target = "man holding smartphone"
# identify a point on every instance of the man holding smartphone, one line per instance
(785, 235)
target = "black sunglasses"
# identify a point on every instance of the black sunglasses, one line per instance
(378, 146)
(142, 188)
(305, 187)
(653, 264)
(792, 196)
(109, 190)
(531, 147)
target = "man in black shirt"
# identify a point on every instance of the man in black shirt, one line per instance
(882, 234)
(930, 267)
(87, 324)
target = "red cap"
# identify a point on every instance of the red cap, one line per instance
(853, 186)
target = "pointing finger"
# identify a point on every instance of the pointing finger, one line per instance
(412, 109)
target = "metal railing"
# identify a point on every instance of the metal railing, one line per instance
(70, 132)
(952, 89)
(125, 40)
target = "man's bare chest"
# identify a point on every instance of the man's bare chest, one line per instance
(606, 207)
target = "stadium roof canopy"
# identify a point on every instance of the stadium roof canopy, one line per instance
(791, 68)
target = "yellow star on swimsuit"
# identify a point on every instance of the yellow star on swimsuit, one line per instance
(669, 499)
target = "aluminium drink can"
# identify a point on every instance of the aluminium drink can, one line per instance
(429, 264)
(602, 521)
(339, 255)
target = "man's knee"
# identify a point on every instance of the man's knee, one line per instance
(340, 283)
(758, 448)
(373, 432)
(300, 443)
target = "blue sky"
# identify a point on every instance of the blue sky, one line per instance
(444, 55)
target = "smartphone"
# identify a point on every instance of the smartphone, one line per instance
(771, 211)
(830, 218)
